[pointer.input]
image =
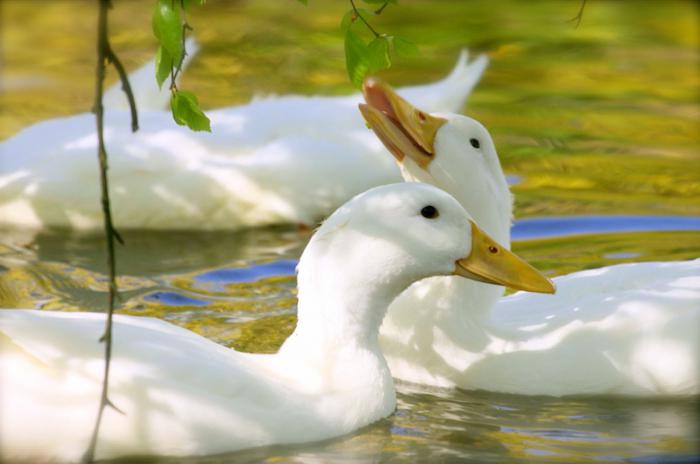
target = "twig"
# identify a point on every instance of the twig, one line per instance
(579, 15)
(104, 54)
(357, 13)
(185, 27)
(381, 8)
(126, 87)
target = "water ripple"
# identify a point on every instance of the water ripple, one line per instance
(562, 226)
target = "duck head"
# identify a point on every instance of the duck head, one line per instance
(374, 247)
(380, 242)
(451, 151)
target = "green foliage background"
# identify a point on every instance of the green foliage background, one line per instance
(602, 118)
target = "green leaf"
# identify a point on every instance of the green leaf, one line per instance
(164, 63)
(305, 2)
(167, 27)
(404, 47)
(378, 53)
(186, 111)
(356, 58)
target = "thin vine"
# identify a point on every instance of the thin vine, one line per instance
(358, 15)
(579, 15)
(106, 54)
(175, 70)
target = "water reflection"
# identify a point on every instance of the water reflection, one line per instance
(252, 273)
(147, 253)
(433, 425)
(239, 290)
(560, 226)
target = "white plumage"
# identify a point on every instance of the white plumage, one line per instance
(184, 395)
(289, 159)
(630, 329)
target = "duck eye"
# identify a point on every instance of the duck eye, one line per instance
(429, 212)
(475, 143)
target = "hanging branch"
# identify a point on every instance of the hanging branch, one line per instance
(170, 27)
(361, 18)
(106, 54)
(126, 86)
(175, 70)
(579, 15)
(363, 58)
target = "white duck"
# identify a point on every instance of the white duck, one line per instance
(182, 394)
(290, 159)
(629, 329)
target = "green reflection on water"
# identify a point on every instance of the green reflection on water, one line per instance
(65, 271)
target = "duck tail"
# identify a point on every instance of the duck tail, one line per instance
(450, 93)
(144, 86)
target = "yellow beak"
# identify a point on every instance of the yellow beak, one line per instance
(404, 129)
(491, 263)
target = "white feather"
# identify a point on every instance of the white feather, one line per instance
(290, 159)
(629, 329)
(182, 394)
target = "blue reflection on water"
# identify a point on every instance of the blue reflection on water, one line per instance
(251, 273)
(406, 431)
(513, 179)
(174, 299)
(667, 459)
(561, 226)
(524, 229)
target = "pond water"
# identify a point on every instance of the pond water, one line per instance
(596, 126)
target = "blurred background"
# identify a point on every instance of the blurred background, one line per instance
(563, 103)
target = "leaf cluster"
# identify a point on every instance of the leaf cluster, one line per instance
(365, 56)
(170, 28)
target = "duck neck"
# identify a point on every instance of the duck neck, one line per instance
(336, 314)
(343, 297)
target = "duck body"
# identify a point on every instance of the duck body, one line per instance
(290, 159)
(180, 394)
(628, 329)
(162, 177)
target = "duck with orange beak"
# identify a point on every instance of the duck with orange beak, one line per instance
(607, 331)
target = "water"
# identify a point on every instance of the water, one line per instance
(596, 128)
(560, 226)
(238, 289)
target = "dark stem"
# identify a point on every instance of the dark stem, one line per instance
(104, 53)
(579, 15)
(126, 87)
(381, 8)
(357, 13)
(178, 68)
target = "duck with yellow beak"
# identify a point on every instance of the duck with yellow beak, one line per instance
(607, 331)
(180, 394)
